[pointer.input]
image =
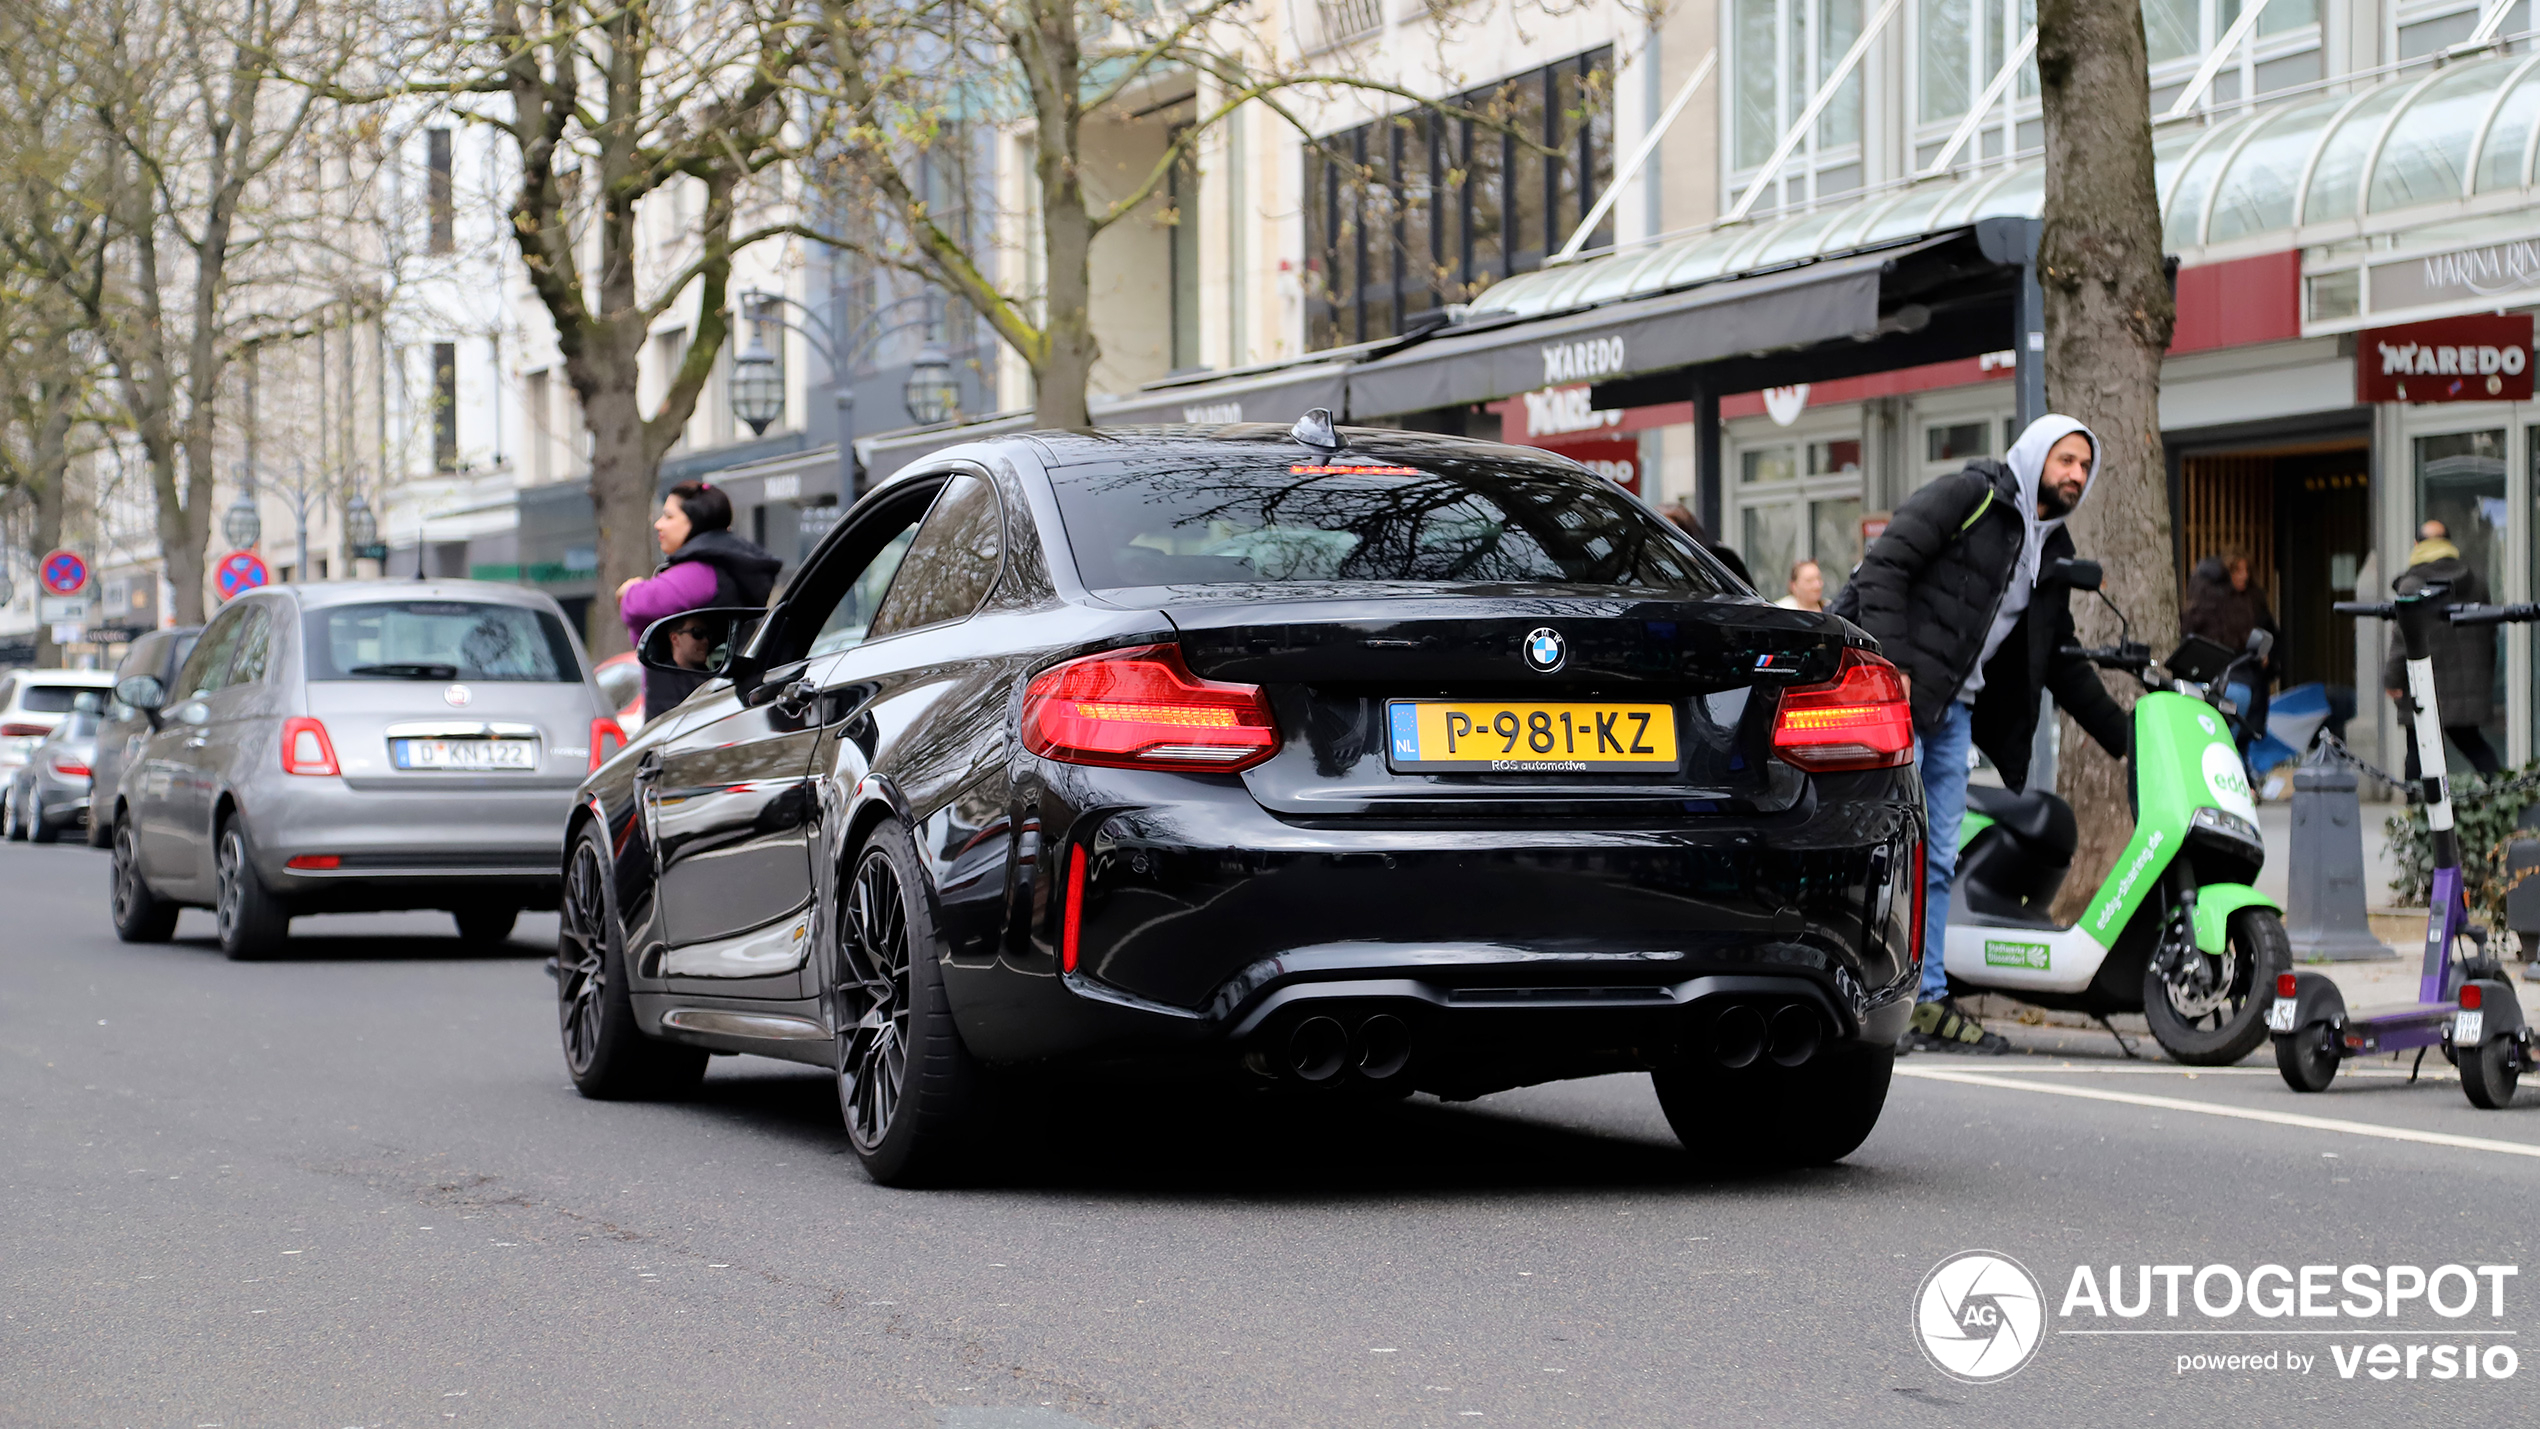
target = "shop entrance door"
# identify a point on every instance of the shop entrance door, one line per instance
(2302, 517)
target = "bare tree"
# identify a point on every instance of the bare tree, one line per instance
(612, 108)
(906, 77)
(2109, 312)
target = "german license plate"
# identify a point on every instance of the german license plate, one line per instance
(1530, 736)
(2469, 1027)
(464, 753)
(2280, 1014)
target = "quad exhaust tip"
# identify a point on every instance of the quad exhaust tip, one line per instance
(1744, 1034)
(1322, 1049)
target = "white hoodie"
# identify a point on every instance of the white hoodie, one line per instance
(2027, 460)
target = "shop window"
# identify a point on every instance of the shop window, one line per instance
(1416, 211)
(2460, 481)
(1959, 45)
(1767, 464)
(2177, 35)
(1800, 501)
(1956, 442)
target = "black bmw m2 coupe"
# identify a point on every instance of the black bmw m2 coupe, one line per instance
(1327, 760)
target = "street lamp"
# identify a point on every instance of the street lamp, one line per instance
(931, 393)
(242, 525)
(758, 387)
(361, 524)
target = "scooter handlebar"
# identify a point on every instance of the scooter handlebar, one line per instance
(2378, 609)
(2493, 614)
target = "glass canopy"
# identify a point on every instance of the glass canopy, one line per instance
(2340, 158)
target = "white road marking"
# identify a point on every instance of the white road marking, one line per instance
(2275, 1118)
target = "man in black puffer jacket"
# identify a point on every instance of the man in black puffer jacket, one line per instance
(1952, 593)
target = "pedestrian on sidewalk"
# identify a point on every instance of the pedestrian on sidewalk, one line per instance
(2464, 656)
(704, 565)
(2223, 605)
(1685, 521)
(1807, 587)
(1953, 593)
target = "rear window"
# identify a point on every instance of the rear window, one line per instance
(50, 699)
(1244, 519)
(439, 640)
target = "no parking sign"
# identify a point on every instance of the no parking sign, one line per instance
(64, 573)
(240, 571)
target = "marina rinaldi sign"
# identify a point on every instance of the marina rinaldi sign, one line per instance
(2483, 358)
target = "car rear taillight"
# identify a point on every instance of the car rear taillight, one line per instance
(24, 731)
(1860, 720)
(305, 747)
(1073, 918)
(1142, 708)
(69, 767)
(607, 738)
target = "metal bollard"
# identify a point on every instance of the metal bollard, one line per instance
(2324, 916)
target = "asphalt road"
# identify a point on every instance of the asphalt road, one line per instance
(354, 1188)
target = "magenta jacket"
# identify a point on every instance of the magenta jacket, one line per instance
(685, 585)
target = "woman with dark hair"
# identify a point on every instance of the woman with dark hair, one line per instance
(703, 565)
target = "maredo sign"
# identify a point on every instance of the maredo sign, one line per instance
(2486, 358)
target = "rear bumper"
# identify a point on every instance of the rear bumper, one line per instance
(1513, 955)
(409, 849)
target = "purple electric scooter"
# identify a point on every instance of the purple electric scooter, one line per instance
(2465, 1007)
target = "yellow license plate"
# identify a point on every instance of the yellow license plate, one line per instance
(1529, 736)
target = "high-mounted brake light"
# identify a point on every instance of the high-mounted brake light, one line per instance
(305, 747)
(1142, 708)
(1859, 720)
(607, 738)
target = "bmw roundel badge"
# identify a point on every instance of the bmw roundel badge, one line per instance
(1544, 650)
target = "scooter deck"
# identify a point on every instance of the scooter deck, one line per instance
(2396, 1028)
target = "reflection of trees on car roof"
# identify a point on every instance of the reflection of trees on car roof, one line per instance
(1454, 520)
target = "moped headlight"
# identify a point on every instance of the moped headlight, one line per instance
(2229, 825)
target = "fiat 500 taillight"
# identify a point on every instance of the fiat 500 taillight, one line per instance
(1142, 708)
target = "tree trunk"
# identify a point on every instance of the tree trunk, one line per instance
(623, 475)
(1066, 368)
(2109, 313)
(49, 459)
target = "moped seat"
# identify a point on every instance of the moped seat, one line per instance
(2036, 816)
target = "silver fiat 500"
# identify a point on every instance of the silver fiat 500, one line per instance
(355, 747)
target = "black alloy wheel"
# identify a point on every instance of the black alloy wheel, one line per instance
(907, 1086)
(606, 1052)
(2224, 1019)
(250, 922)
(140, 915)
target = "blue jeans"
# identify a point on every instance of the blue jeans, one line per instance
(1942, 760)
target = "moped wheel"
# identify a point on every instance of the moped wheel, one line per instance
(2308, 1058)
(2221, 1023)
(2488, 1075)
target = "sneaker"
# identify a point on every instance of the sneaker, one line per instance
(1941, 1027)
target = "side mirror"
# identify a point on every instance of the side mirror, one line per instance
(144, 693)
(2078, 573)
(699, 642)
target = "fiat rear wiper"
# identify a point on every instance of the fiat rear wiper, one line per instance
(408, 672)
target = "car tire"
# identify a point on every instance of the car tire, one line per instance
(485, 925)
(250, 922)
(38, 828)
(910, 1092)
(101, 833)
(140, 915)
(1766, 1118)
(9, 816)
(606, 1051)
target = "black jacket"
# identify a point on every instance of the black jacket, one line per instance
(744, 574)
(1928, 590)
(2464, 655)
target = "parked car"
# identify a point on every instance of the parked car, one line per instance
(49, 793)
(160, 653)
(1365, 760)
(353, 747)
(32, 702)
(622, 685)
